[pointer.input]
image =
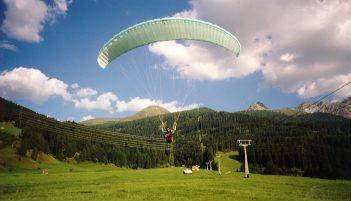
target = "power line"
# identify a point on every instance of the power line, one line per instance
(40, 117)
(98, 137)
(319, 100)
(32, 119)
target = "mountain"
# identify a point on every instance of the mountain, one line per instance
(150, 111)
(313, 145)
(98, 121)
(342, 108)
(258, 106)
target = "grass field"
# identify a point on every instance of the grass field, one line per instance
(88, 181)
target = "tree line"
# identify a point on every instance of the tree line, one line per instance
(315, 145)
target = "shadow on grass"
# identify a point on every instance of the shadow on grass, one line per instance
(235, 157)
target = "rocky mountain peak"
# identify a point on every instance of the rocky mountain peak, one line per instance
(257, 107)
(341, 108)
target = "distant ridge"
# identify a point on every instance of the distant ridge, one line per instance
(150, 111)
(341, 108)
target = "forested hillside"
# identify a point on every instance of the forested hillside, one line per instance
(316, 145)
(69, 140)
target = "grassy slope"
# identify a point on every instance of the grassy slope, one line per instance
(228, 164)
(9, 128)
(100, 182)
(10, 159)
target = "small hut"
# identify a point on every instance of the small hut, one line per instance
(195, 168)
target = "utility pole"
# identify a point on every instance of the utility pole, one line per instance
(245, 143)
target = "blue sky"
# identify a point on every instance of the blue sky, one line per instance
(61, 45)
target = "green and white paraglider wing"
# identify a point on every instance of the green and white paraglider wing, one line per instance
(165, 29)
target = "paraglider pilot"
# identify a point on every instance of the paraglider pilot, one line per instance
(168, 132)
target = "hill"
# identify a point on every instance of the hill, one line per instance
(313, 145)
(281, 141)
(150, 111)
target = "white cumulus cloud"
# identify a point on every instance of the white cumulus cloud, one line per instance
(292, 43)
(287, 57)
(137, 104)
(75, 86)
(25, 19)
(31, 84)
(102, 102)
(86, 92)
(324, 85)
(61, 6)
(88, 117)
(194, 60)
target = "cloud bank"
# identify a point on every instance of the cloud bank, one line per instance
(137, 104)
(33, 85)
(25, 19)
(301, 46)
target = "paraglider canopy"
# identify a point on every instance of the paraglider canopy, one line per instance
(164, 29)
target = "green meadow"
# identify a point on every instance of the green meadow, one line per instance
(89, 181)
